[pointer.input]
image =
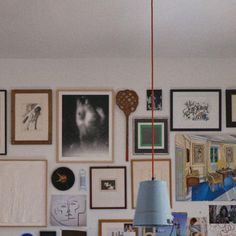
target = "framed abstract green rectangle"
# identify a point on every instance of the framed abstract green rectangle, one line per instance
(143, 136)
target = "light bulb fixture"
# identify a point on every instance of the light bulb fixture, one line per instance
(153, 203)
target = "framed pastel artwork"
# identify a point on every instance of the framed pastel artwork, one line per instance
(3, 122)
(85, 125)
(31, 116)
(195, 109)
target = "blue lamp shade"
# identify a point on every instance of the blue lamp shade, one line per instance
(153, 204)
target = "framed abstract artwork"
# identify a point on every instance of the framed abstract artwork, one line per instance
(116, 227)
(230, 107)
(31, 116)
(3, 122)
(108, 187)
(141, 171)
(23, 198)
(143, 136)
(195, 109)
(85, 125)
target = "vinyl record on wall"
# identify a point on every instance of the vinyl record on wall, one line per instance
(63, 178)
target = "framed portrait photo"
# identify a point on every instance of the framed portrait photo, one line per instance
(195, 109)
(108, 187)
(3, 122)
(31, 116)
(157, 99)
(230, 107)
(143, 136)
(85, 125)
(141, 170)
(116, 227)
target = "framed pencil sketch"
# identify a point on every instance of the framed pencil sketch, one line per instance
(108, 187)
(85, 125)
(3, 122)
(195, 109)
(23, 198)
(141, 170)
(198, 154)
(143, 136)
(230, 107)
(116, 227)
(31, 116)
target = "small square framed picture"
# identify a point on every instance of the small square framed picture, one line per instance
(143, 136)
(108, 187)
(230, 107)
(3, 122)
(31, 116)
(157, 99)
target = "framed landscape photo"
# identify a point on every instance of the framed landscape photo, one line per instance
(116, 227)
(108, 187)
(31, 111)
(195, 109)
(230, 107)
(143, 136)
(85, 125)
(141, 170)
(3, 122)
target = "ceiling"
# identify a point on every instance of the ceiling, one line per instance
(116, 28)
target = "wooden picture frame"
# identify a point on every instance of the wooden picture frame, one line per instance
(143, 136)
(120, 226)
(23, 199)
(85, 125)
(230, 99)
(141, 171)
(31, 119)
(3, 122)
(108, 187)
(198, 154)
(195, 110)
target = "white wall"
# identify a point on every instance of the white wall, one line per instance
(116, 74)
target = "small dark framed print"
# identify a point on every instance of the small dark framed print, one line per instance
(157, 99)
(143, 136)
(108, 187)
(65, 232)
(195, 109)
(3, 122)
(48, 233)
(230, 107)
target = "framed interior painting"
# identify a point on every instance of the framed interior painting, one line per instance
(198, 157)
(143, 136)
(141, 171)
(31, 116)
(3, 122)
(230, 107)
(85, 126)
(195, 109)
(23, 198)
(116, 227)
(108, 187)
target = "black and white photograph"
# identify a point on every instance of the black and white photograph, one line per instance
(222, 214)
(157, 99)
(85, 126)
(108, 184)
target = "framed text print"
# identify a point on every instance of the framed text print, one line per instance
(31, 116)
(195, 109)
(3, 122)
(230, 108)
(85, 126)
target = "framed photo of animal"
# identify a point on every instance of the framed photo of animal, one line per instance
(31, 116)
(195, 109)
(85, 125)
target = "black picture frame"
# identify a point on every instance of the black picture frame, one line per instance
(48, 233)
(195, 110)
(230, 106)
(3, 122)
(143, 136)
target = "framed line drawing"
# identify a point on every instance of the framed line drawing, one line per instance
(85, 125)
(195, 109)
(23, 199)
(143, 136)
(108, 187)
(116, 227)
(141, 171)
(3, 122)
(230, 107)
(31, 111)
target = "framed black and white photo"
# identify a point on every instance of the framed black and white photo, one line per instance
(3, 122)
(108, 187)
(143, 136)
(157, 99)
(85, 126)
(230, 107)
(195, 109)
